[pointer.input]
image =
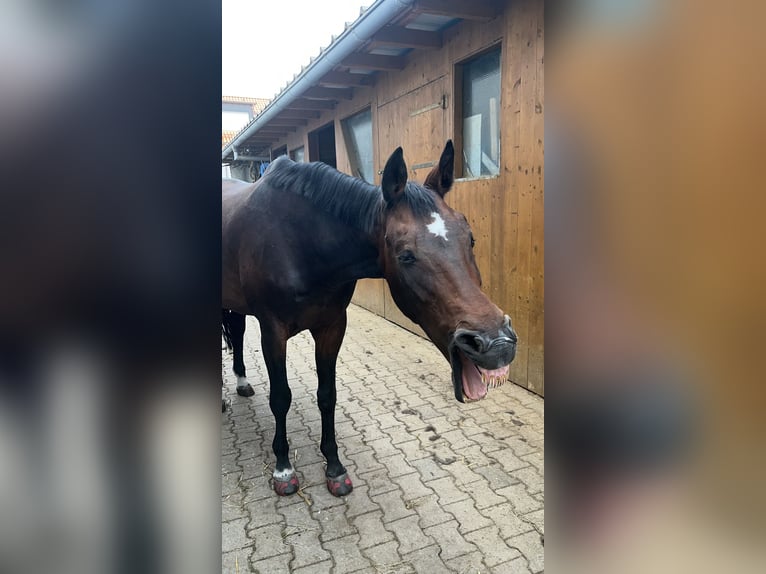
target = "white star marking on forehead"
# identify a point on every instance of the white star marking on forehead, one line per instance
(437, 226)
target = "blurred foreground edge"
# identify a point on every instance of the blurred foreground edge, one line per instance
(109, 308)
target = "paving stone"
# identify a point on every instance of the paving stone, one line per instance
(232, 507)
(371, 529)
(305, 546)
(409, 534)
(230, 483)
(508, 460)
(385, 559)
(430, 511)
(446, 490)
(418, 503)
(531, 478)
(496, 476)
(318, 568)
(274, 565)
(504, 518)
(426, 560)
(467, 516)
(396, 465)
(413, 451)
(494, 550)
(470, 563)
(235, 562)
(383, 447)
(333, 523)
(451, 542)
(233, 535)
(536, 459)
(516, 566)
(268, 541)
(463, 474)
(429, 469)
(531, 546)
(346, 554)
(378, 481)
(519, 498)
(412, 486)
(537, 518)
(366, 461)
(263, 512)
(360, 502)
(393, 506)
(482, 494)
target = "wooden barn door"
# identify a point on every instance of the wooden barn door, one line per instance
(415, 121)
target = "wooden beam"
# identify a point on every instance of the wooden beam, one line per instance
(405, 38)
(274, 132)
(328, 93)
(482, 10)
(302, 114)
(281, 122)
(302, 104)
(345, 79)
(374, 62)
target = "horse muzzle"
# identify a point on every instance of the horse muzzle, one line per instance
(480, 360)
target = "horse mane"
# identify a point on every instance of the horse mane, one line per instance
(353, 201)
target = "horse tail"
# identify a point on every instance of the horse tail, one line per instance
(226, 328)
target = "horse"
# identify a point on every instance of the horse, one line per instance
(296, 242)
(233, 331)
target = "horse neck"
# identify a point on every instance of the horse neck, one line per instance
(361, 255)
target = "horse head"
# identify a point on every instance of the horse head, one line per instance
(426, 251)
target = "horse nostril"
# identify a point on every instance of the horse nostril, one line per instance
(471, 341)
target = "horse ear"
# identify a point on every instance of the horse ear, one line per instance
(394, 176)
(442, 176)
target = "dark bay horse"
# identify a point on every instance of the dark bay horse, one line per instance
(296, 242)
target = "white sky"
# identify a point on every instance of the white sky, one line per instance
(265, 42)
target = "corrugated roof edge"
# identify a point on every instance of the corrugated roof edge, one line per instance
(353, 36)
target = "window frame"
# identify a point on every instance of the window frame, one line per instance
(458, 67)
(352, 153)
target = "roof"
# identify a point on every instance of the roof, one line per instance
(257, 104)
(227, 136)
(379, 41)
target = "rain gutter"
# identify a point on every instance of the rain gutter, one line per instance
(350, 40)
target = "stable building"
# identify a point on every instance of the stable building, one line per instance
(415, 73)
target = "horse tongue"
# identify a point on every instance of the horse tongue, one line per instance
(473, 387)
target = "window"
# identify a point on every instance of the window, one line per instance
(479, 114)
(357, 130)
(278, 152)
(234, 121)
(298, 154)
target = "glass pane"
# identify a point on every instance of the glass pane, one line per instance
(297, 155)
(358, 132)
(481, 119)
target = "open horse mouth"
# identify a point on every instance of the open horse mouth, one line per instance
(471, 381)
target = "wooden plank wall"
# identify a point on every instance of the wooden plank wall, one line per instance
(505, 212)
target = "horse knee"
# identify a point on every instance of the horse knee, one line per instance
(279, 401)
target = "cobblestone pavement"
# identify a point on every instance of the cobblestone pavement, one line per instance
(439, 486)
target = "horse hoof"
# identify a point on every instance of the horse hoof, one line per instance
(339, 485)
(246, 391)
(286, 487)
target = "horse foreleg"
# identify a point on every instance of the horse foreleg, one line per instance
(237, 331)
(274, 346)
(328, 341)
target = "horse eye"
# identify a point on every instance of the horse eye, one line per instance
(406, 257)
